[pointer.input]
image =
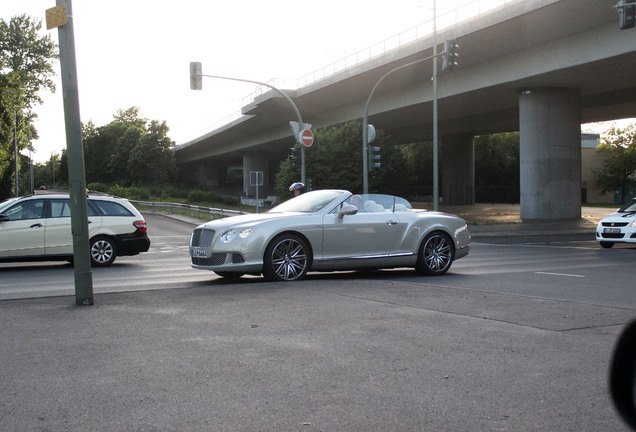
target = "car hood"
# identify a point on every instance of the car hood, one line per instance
(247, 220)
(620, 217)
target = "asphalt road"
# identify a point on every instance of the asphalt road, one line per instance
(517, 337)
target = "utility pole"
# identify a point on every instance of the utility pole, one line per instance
(61, 17)
(435, 130)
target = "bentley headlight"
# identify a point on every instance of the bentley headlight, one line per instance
(228, 236)
(245, 233)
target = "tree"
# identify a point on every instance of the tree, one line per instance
(335, 161)
(618, 147)
(151, 160)
(497, 164)
(25, 69)
(128, 150)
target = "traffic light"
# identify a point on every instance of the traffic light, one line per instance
(295, 157)
(449, 59)
(374, 157)
(196, 76)
(626, 14)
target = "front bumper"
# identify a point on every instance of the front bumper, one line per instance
(625, 234)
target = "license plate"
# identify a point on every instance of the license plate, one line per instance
(612, 230)
(199, 253)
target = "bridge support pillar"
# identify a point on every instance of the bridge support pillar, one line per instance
(458, 169)
(550, 153)
(255, 161)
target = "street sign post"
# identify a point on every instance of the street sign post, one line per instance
(256, 179)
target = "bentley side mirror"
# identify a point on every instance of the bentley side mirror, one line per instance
(347, 210)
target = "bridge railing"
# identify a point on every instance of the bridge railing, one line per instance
(471, 10)
(185, 209)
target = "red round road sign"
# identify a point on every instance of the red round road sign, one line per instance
(306, 137)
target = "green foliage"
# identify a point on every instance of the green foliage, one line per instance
(130, 151)
(618, 147)
(25, 69)
(335, 161)
(497, 159)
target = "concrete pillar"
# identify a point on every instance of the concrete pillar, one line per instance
(458, 169)
(550, 153)
(255, 161)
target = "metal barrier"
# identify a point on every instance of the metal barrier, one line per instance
(186, 209)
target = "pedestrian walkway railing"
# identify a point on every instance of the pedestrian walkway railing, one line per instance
(198, 212)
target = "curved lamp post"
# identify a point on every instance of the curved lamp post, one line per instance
(195, 84)
(365, 136)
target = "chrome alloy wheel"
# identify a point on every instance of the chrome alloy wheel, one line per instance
(436, 254)
(102, 252)
(288, 259)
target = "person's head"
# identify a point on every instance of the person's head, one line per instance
(296, 188)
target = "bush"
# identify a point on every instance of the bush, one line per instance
(98, 187)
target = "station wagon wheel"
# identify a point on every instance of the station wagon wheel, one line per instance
(286, 259)
(103, 251)
(436, 254)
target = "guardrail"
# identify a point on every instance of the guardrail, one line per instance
(185, 209)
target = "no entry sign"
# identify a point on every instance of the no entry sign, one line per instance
(306, 137)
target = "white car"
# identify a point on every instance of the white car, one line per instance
(329, 230)
(619, 227)
(38, 228)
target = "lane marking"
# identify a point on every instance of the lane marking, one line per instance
(560, 274)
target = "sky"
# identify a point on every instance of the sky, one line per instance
(137, 53)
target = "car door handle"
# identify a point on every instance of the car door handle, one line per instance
(37, 225)
(391, 222)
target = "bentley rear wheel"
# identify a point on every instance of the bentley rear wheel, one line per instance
(436, 254)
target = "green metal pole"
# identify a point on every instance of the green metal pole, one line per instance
(365, 116)
(75, 154)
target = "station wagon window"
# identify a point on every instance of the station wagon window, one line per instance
(62, 208)
(29, 209)
(109, 208)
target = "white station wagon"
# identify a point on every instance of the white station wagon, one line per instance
(38, 228)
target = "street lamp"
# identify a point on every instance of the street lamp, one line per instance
(196, 84)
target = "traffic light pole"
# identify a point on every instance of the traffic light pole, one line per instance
(365, 128)
(291, 102)
(435, 128)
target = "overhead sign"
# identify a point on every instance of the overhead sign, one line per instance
(306, 137)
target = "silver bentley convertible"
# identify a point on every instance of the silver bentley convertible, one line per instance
(329, 230)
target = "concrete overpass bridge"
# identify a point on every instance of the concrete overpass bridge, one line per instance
(541, 67)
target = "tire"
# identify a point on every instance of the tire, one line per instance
(435, 255)
(286, 258)
(607, 245)
(103, 251)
